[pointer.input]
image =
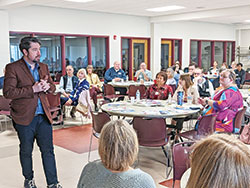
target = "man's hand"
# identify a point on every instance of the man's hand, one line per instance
(66, 94)
(117, 79)
(43, 85)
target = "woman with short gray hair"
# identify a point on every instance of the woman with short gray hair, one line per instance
(118, 149)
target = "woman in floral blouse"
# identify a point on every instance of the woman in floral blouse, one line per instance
(160, 90)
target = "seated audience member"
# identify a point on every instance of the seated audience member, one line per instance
(220, 161)
(116, 74)
(177, 72)
(216, 81)
(118, 149)
(143, 73)
(233, 65)
(240, 75)
(95, 84)
(191, 68)
(189, 89)
(170, 74)
(160, 90)
(224, 65)
(214, 70)
(82, 84)
(226, 102)
(205, 87)
(67, 85)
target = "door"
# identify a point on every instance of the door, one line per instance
(139, 54)
(166, 54)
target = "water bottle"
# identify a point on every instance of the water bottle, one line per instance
(138, 95)
(180, 98)
(169, 98)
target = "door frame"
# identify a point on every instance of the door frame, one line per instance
(131, 61)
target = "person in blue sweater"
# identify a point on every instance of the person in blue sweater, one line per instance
(116, 74)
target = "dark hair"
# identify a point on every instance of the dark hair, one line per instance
(193, 64)
(25, 43)
(163, 74)
(240, 64)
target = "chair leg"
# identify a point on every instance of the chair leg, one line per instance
(168, 162)
(173, 184)
(90, 144)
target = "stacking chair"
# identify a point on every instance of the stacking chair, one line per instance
(99, 119)
(173, 86)
(5, 108)
(55, 108)
(238, 120)
(109, 93)
(181, 162)
(205, 128)
(132, 91)
(152, 133)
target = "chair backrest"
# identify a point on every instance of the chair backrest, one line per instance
(150, 132)
(132, 91)
(99, 119)
(206, 125)
(173, 86)
(58, 76)
(238, 117)
(108, 89)
(54, 99)
(181, 162)
(4, 104)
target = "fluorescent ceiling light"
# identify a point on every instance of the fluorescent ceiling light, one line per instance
(247, 21)
(80, 1)
(167, 8)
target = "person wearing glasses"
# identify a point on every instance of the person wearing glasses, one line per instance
(205, 87)
(226, 102)
(191, 69)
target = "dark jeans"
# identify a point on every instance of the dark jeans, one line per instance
(41, 130)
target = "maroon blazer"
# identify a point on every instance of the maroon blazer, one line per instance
(18, 84)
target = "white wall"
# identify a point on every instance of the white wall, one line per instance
(195, 30)
(56, 20)
(4, 38)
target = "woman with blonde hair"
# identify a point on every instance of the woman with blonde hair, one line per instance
(81, 85)
(220, 161)
(118, 149)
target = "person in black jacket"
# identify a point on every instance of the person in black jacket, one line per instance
(240, 75)
(67, 85)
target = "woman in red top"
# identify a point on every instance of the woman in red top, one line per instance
(160, 89)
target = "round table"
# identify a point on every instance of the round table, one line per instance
(150, 108)
(128, 83)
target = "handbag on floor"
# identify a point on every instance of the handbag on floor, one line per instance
(82, 109)
(245, 134)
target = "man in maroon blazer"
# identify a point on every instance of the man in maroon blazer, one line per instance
(26, 83)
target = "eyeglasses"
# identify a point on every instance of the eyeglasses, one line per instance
(196, 73)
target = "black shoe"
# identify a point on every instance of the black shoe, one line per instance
(96, 109)
(72, 115)
(29, 183)
(54, 186)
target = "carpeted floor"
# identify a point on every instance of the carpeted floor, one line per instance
(75, 138)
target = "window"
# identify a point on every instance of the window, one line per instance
(170, 52)
(194, 52)
(51, 52)
(218, 53)
(15, 53)
(205, 55)
(76, 52)
(204, 52)
(98, 51)
(125, 55)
